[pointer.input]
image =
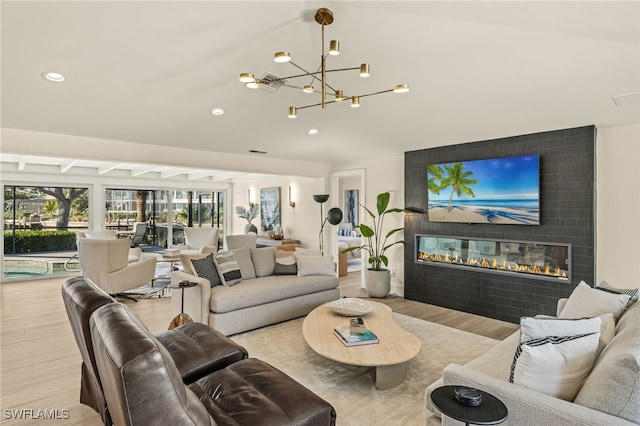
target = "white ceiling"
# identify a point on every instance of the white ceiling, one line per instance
(150, 72)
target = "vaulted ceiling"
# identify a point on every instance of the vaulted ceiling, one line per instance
(151, 72)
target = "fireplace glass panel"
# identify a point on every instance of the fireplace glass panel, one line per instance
(547, 261)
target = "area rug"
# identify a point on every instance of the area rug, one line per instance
(351, 390)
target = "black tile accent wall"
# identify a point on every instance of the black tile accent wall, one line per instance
(567, 215)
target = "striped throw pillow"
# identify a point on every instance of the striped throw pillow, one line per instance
(228, 268)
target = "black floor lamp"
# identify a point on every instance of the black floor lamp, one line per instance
(334, 216)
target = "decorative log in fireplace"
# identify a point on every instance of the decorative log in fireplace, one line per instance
(545, 261)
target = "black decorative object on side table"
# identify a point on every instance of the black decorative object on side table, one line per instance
(491, 410)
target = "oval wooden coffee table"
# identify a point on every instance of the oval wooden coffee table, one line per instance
(396, 345)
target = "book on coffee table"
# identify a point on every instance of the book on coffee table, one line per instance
(348, 339)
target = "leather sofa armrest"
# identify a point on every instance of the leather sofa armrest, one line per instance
(199, 350)
(196, 299)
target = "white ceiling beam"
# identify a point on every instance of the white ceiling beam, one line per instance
(171, 173)
(225, 176)
(200, 174)
(106, 169)
(66, 165)
(141, 171)
(22, 163)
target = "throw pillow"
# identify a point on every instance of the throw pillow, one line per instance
(555, 366)
(614, 384)
(285, 263)
(585, 301)
(632, 292)
(186, 259)
(315, 265)
(228, 268)
(205, 268)
(263, 261)
(243, 257)
(543, 326)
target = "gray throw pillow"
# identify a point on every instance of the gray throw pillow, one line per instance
(243, 257)
(205, 268)
(263, 261)
(228, 268)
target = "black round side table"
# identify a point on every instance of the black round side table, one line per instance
(182, 318)
(491, 412)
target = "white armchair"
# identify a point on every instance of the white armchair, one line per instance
(241, 240)
(105, 262)
(199, 240)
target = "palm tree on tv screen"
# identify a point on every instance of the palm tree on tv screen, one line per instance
(458, 180)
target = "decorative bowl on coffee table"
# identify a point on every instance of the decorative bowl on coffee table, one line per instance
(350, 307)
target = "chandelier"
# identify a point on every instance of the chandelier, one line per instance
(323, 17)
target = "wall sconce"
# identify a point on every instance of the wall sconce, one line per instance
(249, 198)
(291, 202)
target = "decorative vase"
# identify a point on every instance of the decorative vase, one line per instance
(378, 283)
(249, 227)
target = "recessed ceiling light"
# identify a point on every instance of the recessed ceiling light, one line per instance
(313, 131)
(217, 111)
(54, 77)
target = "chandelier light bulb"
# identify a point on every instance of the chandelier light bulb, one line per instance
(252, 85)
(364, 70)
(281, 57)
(247, 77)
(401, 88)
(307, 89)
(334, 47)
(355, 102)
(339, 96)
(292, 112)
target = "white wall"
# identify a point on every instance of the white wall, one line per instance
(618, 206)
(301, 222)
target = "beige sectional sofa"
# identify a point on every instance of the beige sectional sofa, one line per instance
(609, 396)
(261, 298)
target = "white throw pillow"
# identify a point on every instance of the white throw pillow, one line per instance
(543, 326)
(555, 366)
(588, 302)
(315, 265)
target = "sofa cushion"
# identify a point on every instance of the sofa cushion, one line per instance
(263, 261)
(315, 265)
(243, 257)
(585, 301)
(228, 268)
(205, 268)
(285, 263)
(614, 384)
(632, 292)
(555, 366)
(267, 289)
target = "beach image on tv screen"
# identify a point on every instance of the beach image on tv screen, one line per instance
(498, 191)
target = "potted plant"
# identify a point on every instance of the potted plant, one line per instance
(248, 214)
(377, 277)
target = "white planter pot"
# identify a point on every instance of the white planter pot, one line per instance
(378, 283)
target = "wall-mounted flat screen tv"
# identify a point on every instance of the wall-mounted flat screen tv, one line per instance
(497, 191)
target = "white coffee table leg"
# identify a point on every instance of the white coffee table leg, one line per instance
(390, 376)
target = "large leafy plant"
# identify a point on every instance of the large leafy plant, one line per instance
(376, 244)
(247, 214)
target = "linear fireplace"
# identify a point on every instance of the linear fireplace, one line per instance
(544, 261)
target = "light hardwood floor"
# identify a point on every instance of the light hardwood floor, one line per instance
(40, 362)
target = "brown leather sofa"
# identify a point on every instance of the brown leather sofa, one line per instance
(143, 386)
(196, 349)
(228, 388)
